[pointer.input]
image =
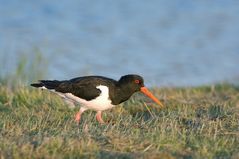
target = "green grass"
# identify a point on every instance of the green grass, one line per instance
(201, 122)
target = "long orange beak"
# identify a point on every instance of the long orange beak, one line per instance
(150, 95)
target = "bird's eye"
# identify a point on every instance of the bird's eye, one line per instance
(136, 81)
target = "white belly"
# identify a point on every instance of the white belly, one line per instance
(102, 102)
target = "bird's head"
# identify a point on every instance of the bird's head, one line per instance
(135, 83)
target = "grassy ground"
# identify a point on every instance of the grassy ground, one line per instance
(200, 122)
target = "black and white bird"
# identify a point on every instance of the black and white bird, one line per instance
(97, 92)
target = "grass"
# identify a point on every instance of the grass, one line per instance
(201, 122)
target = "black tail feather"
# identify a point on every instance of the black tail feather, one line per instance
(47, 83)
(37, 85)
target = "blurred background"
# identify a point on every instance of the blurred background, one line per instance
(169, 43)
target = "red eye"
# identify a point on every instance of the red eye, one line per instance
(136, 81)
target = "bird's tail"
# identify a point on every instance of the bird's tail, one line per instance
(48, 84)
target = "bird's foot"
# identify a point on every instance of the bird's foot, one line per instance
(99, 118)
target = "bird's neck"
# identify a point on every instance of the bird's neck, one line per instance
(122, 93)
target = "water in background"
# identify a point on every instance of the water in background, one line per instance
(173, 42)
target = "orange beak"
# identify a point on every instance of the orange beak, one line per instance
(150, 95)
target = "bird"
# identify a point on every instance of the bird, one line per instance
(97, 93)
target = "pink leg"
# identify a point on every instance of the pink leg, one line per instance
(78, 115)
(99, 118)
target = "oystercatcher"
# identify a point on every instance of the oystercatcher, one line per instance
(97, 92)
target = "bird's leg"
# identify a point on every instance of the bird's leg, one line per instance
(78, 115)
(99, 118)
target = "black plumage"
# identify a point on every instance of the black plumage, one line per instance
(97, 92)
(85, 87)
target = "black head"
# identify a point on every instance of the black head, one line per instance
(130, 84)
(134, 82)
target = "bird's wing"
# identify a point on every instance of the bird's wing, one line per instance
(82, 90)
